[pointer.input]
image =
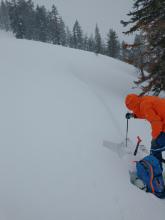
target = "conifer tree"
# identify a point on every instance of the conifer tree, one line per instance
(22, 18)
(85, 43)
(62, 32)
(98, 41)
(148, 16)
(77, 36)
(16, 19)
(68, 37)
(4, 16)
(113, 45)
(124, 52)
(91, 44)
(41, 24)
(138, 50)
(53, 26)
(26, 10)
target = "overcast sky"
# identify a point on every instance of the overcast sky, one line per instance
(106, 13)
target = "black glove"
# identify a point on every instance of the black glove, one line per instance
(129, 115)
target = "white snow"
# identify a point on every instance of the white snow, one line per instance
(6, 34)
(58, 106)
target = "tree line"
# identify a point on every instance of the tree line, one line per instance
(37, 23)
(147, 52)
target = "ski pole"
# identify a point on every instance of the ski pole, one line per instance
(127, 133)
(137, 145)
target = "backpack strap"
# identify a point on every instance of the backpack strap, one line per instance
(147, 164)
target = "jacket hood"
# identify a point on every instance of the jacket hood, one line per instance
(131, 101)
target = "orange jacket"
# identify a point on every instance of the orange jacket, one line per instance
(151, 108)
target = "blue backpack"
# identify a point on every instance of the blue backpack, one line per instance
(150, 172)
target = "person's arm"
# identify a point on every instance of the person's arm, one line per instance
(152, 117)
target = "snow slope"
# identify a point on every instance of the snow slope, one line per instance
(58, 108)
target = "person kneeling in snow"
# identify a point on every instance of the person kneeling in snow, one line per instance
(152, 109)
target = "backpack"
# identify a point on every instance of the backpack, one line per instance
(150, 172)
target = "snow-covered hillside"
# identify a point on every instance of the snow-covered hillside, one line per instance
(58, 108)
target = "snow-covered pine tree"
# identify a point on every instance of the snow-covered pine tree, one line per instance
(16, 19)
(91, 44)
(77, 36)
(98, 41)
(85, 42)
(68, 37)
(149, 17)
(29, 19)
(41, 24)
(113, 45)
(139, 56)
(4, 16)
(26, 10)
(62, 32)
(124, 52)
(21, 14)
(53, 26)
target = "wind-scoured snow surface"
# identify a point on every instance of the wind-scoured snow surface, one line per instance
(58, 108)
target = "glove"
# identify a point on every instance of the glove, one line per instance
(129, 115)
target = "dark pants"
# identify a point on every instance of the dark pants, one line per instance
(158, 146)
